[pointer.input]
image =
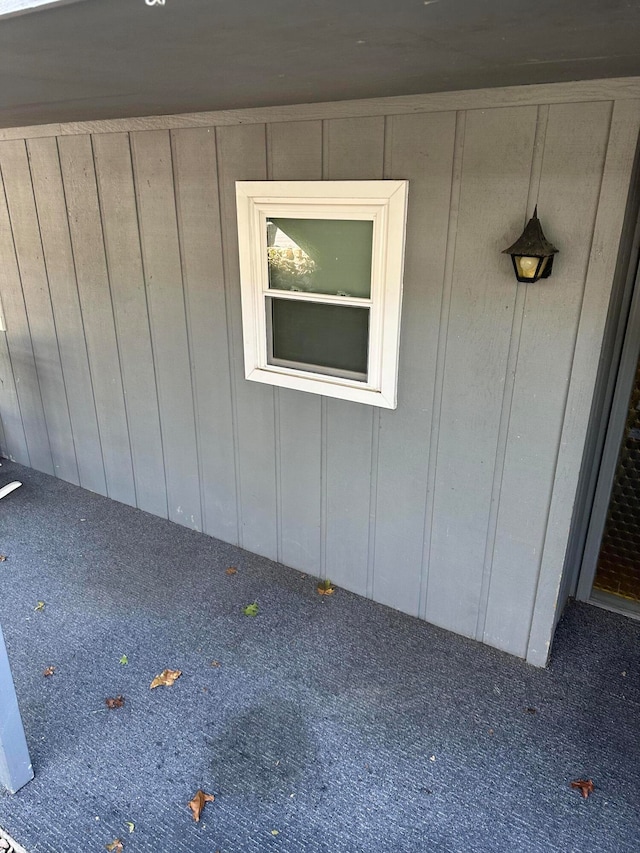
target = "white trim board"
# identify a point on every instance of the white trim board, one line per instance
(614, 89)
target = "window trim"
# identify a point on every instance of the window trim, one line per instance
(382, 202)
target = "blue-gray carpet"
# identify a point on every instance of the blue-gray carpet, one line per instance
(340, 724)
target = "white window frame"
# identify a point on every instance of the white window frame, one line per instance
(382, 202)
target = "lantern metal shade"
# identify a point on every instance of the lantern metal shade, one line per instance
(532, 254)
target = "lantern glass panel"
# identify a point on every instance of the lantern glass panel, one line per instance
(530, 266)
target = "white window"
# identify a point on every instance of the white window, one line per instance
(321, 279)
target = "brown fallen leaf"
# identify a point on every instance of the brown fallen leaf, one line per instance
(215, 663)
(49, 671)
(531, 710)
(197, 803)
(115, 847)
(117, 702)
(326, 587)
(3, 557)
(166, 678)
(585, 786)
(231, 570)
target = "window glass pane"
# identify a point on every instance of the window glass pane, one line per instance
(321, 338)
(320, 255)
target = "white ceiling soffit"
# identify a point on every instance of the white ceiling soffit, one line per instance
(11, 8)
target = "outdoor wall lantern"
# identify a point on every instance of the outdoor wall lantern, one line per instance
(532, 254)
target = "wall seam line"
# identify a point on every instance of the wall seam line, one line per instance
(376, 424)
(53, 316)
(81, 312)
(517, 323)
(113, 314)
(231, 348)
(149, 313)
(26, 314)
(13, 373)
(86, 354)
(6, 442)
(441, 356)
(568, 388)
(323, 487)
(278, 471)
(324, 408)
(373, 501)
(187, 322)
(4, 454)
(277, 437)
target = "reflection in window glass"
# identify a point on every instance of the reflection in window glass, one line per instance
(320, 255)
(321, 338)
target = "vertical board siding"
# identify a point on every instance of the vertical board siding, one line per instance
(576, 141)
(13, 442)
(498, 148)
(153, 170)
(618, 165)
(355, 150)
(420, 150)
(4, 377)
(81, 193)
(18, 338)
(122, 366)
(58, 257)
(242, 156)
(196, 181)
(124, 261)
(35, 290)
(295, 153)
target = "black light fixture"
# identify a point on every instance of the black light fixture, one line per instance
(532, 254)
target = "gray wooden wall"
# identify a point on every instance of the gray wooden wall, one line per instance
(121, 368)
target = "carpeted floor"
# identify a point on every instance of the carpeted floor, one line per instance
(330, 725)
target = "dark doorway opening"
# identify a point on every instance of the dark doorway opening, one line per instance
(604, 553)
(618, 566)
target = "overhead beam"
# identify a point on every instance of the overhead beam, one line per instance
(611, 89)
